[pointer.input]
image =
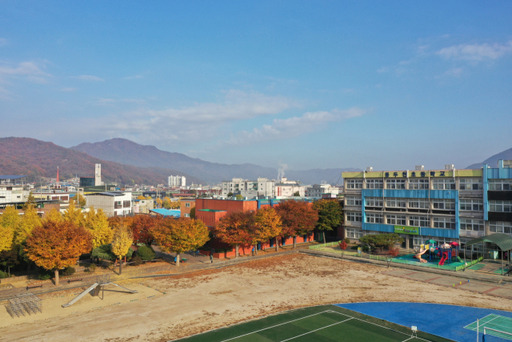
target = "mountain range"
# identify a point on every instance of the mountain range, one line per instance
(126, 162)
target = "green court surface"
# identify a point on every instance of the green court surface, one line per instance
(319, 323)
(495, 325)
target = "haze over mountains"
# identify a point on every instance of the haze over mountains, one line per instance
(126, 162)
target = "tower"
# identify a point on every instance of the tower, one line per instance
(97, 175)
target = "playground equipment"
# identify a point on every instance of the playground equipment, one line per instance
(95, 288)
(24, 303)
(446, 253)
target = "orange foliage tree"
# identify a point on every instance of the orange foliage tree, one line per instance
(298, 218)
(142, 227)
(236, 229)
(180, 235)
(56, 245)
(268, 225)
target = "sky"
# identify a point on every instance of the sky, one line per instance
(293, 84)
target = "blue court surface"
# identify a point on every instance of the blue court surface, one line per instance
(457, 323)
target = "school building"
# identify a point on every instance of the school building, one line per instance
(444, 205)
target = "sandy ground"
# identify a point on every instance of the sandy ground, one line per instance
(169, 308)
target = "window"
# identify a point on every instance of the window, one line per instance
(354, 233)
(500, 184)
(501, 227)
(374, 218)
(126, 204)
(419, 221)
(470, 184)
(500, 206)
(471, 224)
(354, 217)
(443, 184)
(118, 205)
(471, 204)
(443, 204)
(374, 184)
(418, 184)
(444, 222)
(187, 205)
(395, 183)
(353, 201)
(373, 202)
(354, 184)
(418, 203)
(396, 203)
(396, 220)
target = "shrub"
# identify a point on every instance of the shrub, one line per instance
(103, 252)
(68, 271)
(4, 275)
(44, 276)
(91, 268)
(136, 260)
(347, 241)
(146, 253)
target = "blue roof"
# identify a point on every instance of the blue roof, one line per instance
(12, 176)
(167, 212)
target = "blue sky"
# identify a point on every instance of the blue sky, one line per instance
(306, 84)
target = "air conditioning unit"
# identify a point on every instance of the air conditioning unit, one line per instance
(420, 167)
(369, 169)
(449, 166)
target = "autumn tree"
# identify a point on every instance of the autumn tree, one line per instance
(56, 245)
(298, 217)
(31, 201)
(180, 235)
(80, 201)
(236, 229)
(29, 220)
(167, 204)
(159, 202)
(53, 215)
(330, 215)
(142, 227)
(121, 243)
(96, 222)
(268, 225)
(6, 237)
(74, 214)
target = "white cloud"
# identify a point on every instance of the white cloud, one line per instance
(30, 71)
(237, 105)
(90, 78)
(295, 126)
(476, 52)
(109, 101)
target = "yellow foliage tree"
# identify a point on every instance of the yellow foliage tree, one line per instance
(268, 225)
(167, 203)
(140, 197)
(74, 214)
(28, 222)
(121, 243)
(6, 237)
(53, 215)
(181, 235)
(96, 222)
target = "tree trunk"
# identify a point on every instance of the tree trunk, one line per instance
(236, 251)
(56, 277)
(294, 241)
(323, 235)
(120, 266)
(178, 259)
(277, 244)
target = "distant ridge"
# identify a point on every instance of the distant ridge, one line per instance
(493, 160)
(36, 158)
(128, 152)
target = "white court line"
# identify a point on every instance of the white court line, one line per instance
(277, 325)
(312, 331)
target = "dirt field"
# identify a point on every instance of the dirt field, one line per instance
(169, 308)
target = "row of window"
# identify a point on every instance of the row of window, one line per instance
(416, 203)
(418, 184)
(500, 206)
(501, 227)
(403, 220)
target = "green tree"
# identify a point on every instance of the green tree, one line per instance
(56, 245)
(385, 240)
(330, 215)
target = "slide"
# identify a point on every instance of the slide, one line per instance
(443, 259)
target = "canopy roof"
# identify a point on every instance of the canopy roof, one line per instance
(503, 241)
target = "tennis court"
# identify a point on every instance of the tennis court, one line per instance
(321, 323)
(494, 325)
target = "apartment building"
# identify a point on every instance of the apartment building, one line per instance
(12, 190)
(444, 205)
(177, 181)
(262, 187)
(113, 203)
